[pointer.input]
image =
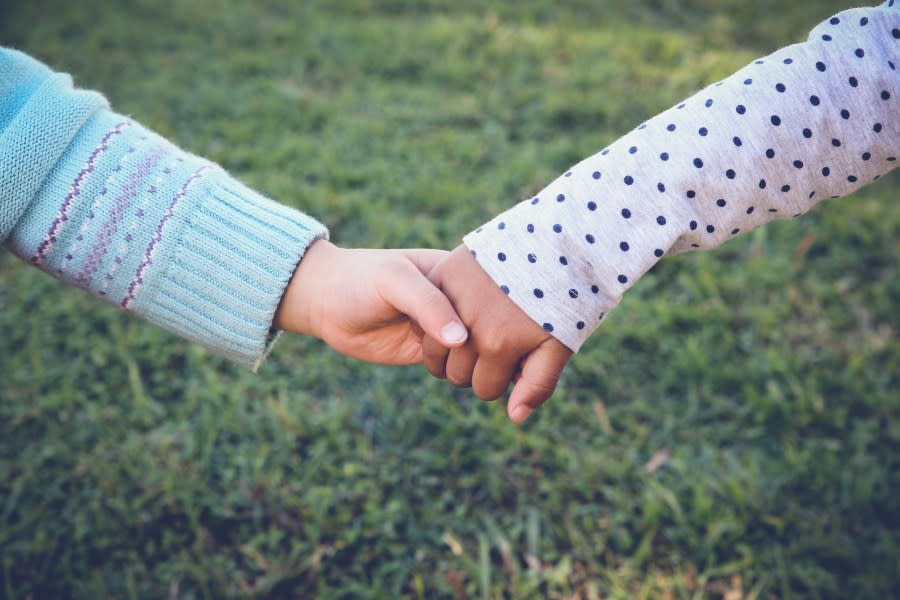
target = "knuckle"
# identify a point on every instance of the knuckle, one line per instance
(459, 379)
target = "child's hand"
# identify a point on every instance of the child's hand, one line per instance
(369, 304)
(504, 343)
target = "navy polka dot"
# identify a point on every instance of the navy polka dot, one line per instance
(504, 289)
(837, 87)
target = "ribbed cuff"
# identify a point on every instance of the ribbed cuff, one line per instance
(234, 254)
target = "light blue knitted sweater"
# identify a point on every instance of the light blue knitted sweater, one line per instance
(105, 204)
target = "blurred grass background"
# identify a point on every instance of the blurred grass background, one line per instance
(733, 430)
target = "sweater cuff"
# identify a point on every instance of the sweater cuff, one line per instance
(222, 281)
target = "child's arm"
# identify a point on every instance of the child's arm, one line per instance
(812, 121)
(103, 203)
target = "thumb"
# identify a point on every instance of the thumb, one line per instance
(410, 292)
(540, 373)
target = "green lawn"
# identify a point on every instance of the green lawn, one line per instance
(732, 431)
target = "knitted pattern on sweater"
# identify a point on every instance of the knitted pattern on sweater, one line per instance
(105, 204)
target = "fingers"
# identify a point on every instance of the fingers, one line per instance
(492, 377)
(434, 356)
(540, 373)
(460, 365)
(410, 292)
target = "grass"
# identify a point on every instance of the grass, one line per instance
(733, 430)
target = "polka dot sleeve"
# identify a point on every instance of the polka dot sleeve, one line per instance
(812, 121)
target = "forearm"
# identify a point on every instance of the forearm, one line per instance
(103, 203)
(811, 121)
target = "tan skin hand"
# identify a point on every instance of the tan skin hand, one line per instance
(373, 305)
(504, 343)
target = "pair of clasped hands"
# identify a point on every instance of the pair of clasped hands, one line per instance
(403, 307)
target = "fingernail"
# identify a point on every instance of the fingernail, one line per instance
(453, 332)
(519, 413)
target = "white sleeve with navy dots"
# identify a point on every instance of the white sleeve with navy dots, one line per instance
(812, 121)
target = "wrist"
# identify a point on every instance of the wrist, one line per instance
(299, 310)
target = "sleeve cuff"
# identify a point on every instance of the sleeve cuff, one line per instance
(234, 254)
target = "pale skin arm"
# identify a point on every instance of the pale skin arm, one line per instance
(504, 343)
(372, 305)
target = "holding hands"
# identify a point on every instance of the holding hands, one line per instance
(394, 307)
